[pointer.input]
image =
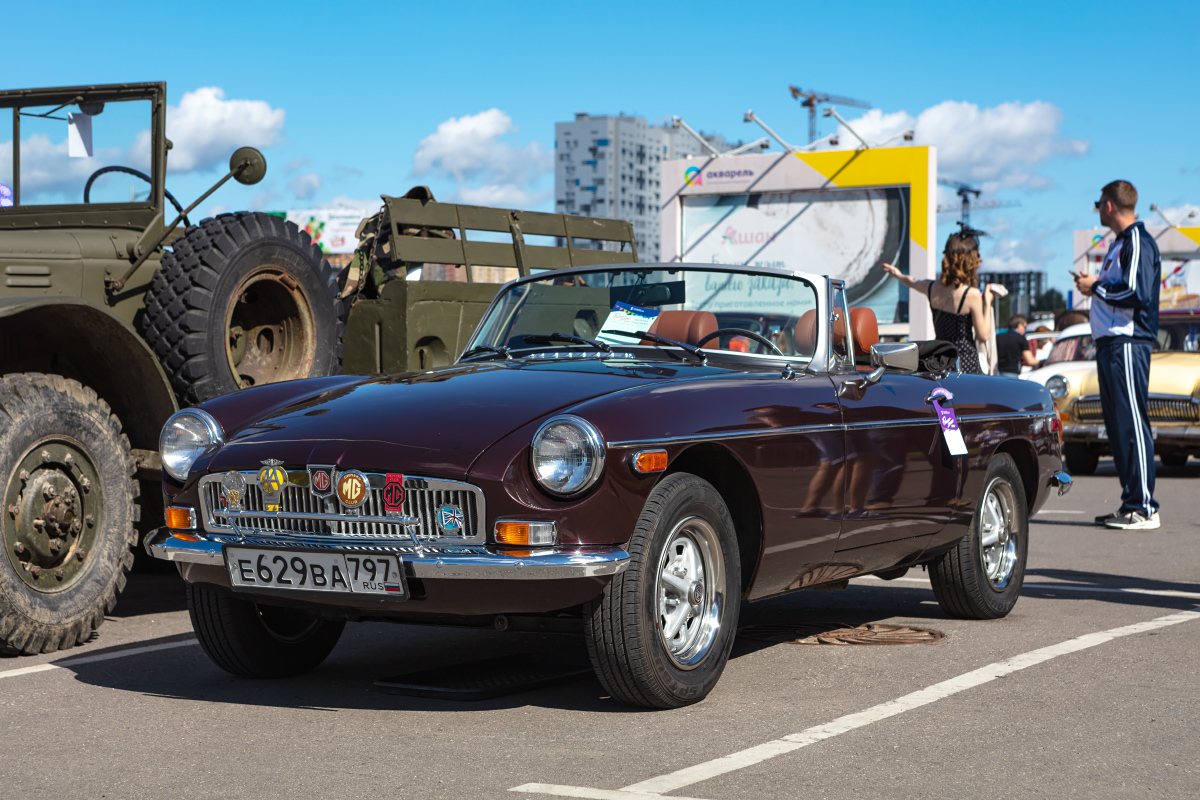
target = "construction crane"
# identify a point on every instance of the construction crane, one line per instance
(813, 99)
(966, 191)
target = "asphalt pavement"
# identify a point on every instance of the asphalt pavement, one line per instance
(1088, 689)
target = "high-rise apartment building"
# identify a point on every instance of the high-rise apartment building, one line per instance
(610, 167)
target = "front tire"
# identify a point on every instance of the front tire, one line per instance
(67, 521)
(1174, 460)
(981, 577)
(253, 641)
(660, 634)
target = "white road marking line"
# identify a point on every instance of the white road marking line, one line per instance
(1066, 587)
(1055, 511)
(588, 792)
(968, 680)
(71, 662)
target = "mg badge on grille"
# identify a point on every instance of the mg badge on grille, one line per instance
(272, 480)
(393, 493)
(450, 519)
(352, 488)
(234, 487)
(320, 480)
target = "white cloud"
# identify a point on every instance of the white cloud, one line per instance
(993, 148)
(46, 169)
(305, 186)
(205, 128)
(471, 149)
(503, 196)
(296, 163)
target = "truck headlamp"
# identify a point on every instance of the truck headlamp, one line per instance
(188, 435)
(567, 455)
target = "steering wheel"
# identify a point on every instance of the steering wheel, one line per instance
(87, 187)
(740, 332)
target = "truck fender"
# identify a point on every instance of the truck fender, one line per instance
(79, 339)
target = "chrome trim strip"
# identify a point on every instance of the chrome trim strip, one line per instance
(407, 522)
(471, 564)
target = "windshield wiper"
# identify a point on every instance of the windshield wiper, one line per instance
(487, 348)
(538, 338)
(690, 349)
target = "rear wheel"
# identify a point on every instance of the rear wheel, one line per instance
(253, 641)
(1175, 460)
(242, 300)
(1080, 460)
(981, 577)
(68, 516)
(661, 633)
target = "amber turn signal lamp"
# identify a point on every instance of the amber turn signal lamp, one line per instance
(185, 537)
(181, 518)
(523, 532)
(645, 461)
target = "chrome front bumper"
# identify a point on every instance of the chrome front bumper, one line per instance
(477, 562)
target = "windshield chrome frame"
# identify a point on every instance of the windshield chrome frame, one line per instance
(822, 287)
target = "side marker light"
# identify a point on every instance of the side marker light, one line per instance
(181, 518)
(523, 532)
(646, 461)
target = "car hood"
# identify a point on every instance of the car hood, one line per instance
(1170, 374)
(435, 423)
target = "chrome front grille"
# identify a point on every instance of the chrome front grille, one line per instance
(1161, 409)
(423, 497)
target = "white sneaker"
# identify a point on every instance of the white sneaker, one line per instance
(1133, 521)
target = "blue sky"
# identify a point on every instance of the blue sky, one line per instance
(1043, 102)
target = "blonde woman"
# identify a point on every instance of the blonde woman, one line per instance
(961, 313)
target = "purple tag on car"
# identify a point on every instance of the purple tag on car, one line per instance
(949, 422)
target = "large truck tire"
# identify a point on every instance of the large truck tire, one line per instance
(70, 505)
(242, 300)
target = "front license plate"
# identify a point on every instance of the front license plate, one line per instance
(365, 573)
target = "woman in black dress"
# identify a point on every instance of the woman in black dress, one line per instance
(960, 311)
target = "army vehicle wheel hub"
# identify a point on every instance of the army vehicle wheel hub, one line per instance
(53, 508)
(271, 331)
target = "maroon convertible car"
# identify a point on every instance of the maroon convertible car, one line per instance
(596, 453)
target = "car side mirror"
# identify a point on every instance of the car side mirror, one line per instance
(896, 355)
(248, 166)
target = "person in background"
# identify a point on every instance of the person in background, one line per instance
(1012, 348)
(1124, 318)
(961, 313)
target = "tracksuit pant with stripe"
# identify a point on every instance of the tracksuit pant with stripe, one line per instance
(1123, 367)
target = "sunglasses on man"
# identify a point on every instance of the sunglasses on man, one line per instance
(1096, 205)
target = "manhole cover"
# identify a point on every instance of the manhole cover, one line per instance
(839, 634)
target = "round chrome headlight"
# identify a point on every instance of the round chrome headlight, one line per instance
(187, 435)
(568, 455)
(1058, 387)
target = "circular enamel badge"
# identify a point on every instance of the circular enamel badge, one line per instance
(272, 479)
(352, 488)
(450, 519)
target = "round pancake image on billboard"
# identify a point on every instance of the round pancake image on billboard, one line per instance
(842, 233)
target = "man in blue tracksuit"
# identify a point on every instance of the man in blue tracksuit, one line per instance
(1124, 319)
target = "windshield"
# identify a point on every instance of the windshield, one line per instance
(713, 308)
(1180, 337)
(1073, 348)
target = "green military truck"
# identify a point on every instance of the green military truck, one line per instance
(111, 318)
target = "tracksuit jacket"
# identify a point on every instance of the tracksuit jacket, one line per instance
(1126, 299)
(1124, 318)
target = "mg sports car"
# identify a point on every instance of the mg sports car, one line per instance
(614, 445)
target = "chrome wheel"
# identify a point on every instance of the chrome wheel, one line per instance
(690, 577)
(998, 532)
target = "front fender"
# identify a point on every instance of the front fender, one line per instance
(82, 340)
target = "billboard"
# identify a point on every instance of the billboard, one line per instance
(1180, 251)
(839, 213)
(331, 229)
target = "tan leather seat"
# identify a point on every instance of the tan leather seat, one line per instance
(688, 327)
(863, 326)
